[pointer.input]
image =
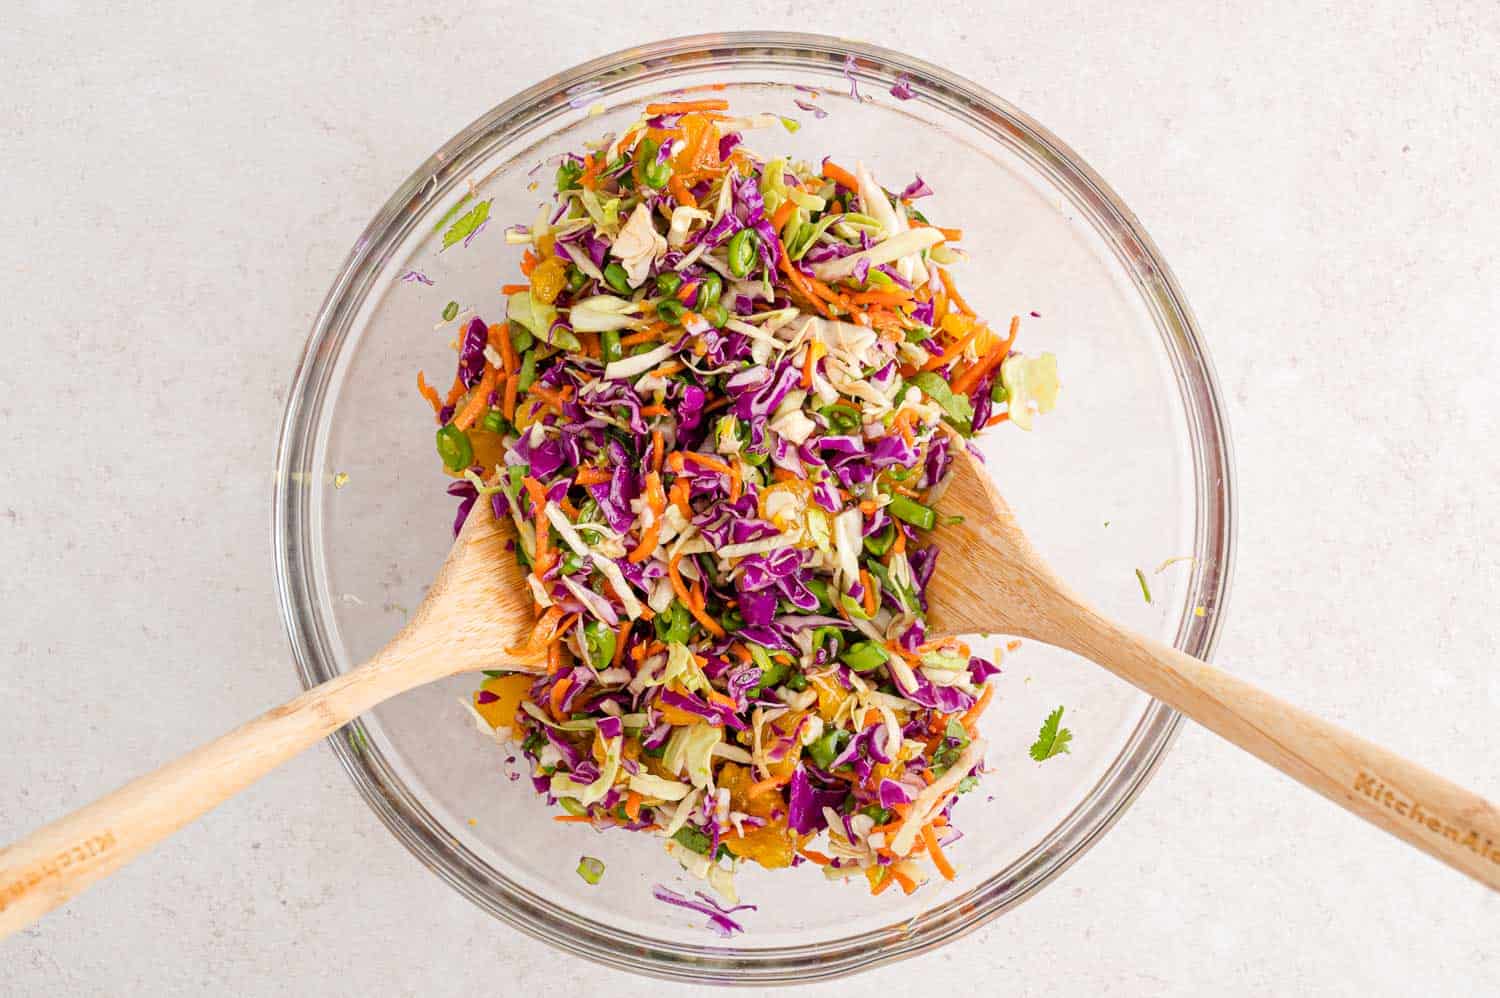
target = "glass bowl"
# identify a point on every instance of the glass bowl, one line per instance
(1132, 469)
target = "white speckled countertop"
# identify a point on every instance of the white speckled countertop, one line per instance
(179, 188)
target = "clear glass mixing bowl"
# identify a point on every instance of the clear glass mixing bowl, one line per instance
(1133, 468)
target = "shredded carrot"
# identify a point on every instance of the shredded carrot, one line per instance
(671, 367)
(588, 475)
(508, 399)
(736, 483)
(908, 885)
(511, 289)
(868, 506)
(559, 691)
(679, 497)
(723, 700)
(966, 382)
(799, 281)
(870, 606)
(1000, 418)
(979, 706)
(657, 443)
(709, 624)
(528, 262)
(541, 562)
(883, 883)
(554, 397)
(952, 235)
(633, 806)
(621, 637)
(687, 106)
(839, 175)
(429, 393)
(762, 786)
(652, 332)
(479, 400)
(935, 851)
(456, 392)
(499, 337)
(708, 461)
(589, 179)
(812, 855)
(782, 214)
(657, 503)
(569, 819)
(895, 296)
(953, 295)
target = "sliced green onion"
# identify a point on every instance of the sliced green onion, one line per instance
(609, 345)
(670, 310)
(591, 869)
(922, 517)
(863, 656)
(716, 314)
(450, 310)
(527, 376)
(668, 283)
(599, 641)
(494, 421)
(616, 278)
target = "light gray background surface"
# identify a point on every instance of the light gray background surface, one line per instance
(177, 188)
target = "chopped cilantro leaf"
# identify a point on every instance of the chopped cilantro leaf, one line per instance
(1052, 740)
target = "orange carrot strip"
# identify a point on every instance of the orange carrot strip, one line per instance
(510, 289)
(799, 281)
(736, 483)
(864, 578)
(456, 392)
(632, 805)
(429, 393)
(761, 786)
(620, 641)
(893, 297)
(589, 179)
(709, 624)
(883, 883)
(652, 332)
(935, 851)
(782, 214)
(809, 361)
(679, 497)
(965, 382)
(709, 462)
(508, 400)
(568, 819)
(953, 295)
(907, 884)
(812, 855)
(657, 443)
(591, 476)
(478, 400)
(839, 175)
(653, 410)
(559, 691)
(979, 706)
(993, 420)
(657, 503)
(528, 262)
(499, 337)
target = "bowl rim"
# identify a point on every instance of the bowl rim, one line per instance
(296, 528)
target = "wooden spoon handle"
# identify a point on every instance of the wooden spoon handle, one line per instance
(58, 861)
(1441, 818)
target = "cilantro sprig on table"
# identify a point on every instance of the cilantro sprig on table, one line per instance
(1053, 739)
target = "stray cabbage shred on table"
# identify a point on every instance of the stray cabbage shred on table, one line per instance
(714, 411)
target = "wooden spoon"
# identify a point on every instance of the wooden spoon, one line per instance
(478, 607)
(989, 581)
